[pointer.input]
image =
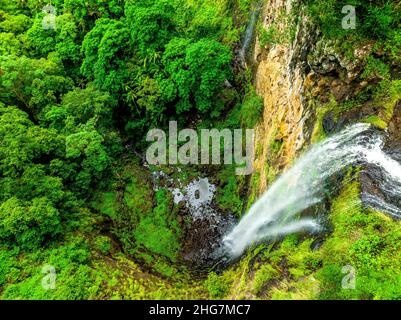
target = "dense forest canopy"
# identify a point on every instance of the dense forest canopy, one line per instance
(81, 83)
(78, 82)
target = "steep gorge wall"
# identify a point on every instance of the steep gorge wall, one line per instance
(312, 87)
(297, 79)
(280, 80)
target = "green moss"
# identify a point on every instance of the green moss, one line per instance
(376, 121)
(103, 244)
(268, 37)
(164, 269)
(276, 33)
(217, 286)
(376, 68)
(137, 195)
(262, 276)
(159, 231)
(259, 149)
(306, 288)
(388, 94)
(141, 225)
(275, 146)
(125, 279)
(366, 240)
(318, 133)
(228, 197)
(251, 110)
(254, 187)
(106, 203)
(271, 173)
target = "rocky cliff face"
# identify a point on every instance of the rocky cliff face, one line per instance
(281, 80)
(312, 87)
(300, 80)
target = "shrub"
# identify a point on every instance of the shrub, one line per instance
(28, 224)
(252, 108)
(103, 244)
(217, 287)
(262, 276)
(160, 232)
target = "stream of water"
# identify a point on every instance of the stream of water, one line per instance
(276, 212)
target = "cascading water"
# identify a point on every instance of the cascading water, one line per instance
(302, 186)
(248, 36)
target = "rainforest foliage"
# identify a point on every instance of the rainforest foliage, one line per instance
(79, 91)
(80, 85)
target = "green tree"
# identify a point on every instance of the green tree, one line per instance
(10, 44)
(152, 24)
(62, 39)
(106, 48)
(197, 71)
(23, 143)
(32, 84)
(87, 148)
(28, 224)
(87, 12)
(86, 104)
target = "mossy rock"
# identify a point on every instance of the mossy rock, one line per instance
(376, 121)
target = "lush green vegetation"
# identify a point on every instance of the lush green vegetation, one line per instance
(366, 240)
(377, 27)
(76, 100)
(358, 238)
(282, 30)
(74, 92)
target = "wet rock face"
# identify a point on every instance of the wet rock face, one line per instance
(280, 80)
(326, 59)
(294, 80)
(355, 115)
(368, 186)
(297, 79)
(203, 240)
(203, 245)
(204, 225)
(375, 194)
(393, 144)
(329, 124)
(333, 74)
(371, 176)
(208, 226)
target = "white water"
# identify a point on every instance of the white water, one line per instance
(302, 186)
(249, 33)
(197, 195)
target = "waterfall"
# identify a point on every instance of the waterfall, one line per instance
(249, 33)
(302, 186)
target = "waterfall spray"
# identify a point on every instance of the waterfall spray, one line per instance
(303, 186)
